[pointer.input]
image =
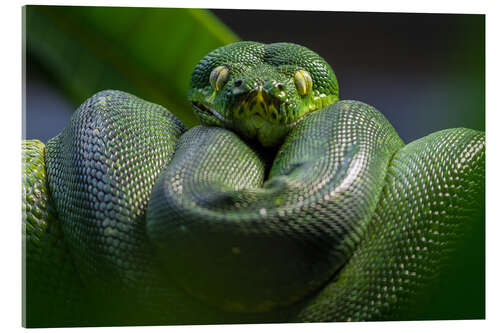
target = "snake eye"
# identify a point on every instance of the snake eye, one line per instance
(303, 82)
(219, 77)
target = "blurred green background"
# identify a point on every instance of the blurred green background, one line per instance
(424, 72)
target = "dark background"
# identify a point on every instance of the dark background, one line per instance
(424, 72)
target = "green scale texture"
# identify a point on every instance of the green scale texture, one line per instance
(255, 66)
(101, 170)
(51, 282)
(264, 244)
(130, 219)
(430, 203)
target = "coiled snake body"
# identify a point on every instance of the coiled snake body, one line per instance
(285, 205)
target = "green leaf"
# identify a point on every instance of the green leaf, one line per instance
(149, 52)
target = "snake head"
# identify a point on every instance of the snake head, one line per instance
(261, 90)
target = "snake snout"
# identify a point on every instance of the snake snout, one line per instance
(263, 100)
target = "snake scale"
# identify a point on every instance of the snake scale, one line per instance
(285, 205)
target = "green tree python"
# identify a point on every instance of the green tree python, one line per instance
(285, 205)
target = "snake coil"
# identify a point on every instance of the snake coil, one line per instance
(133, 217)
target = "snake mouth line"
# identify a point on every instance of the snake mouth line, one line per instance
(208, 110)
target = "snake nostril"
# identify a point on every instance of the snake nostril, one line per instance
(238, 83)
